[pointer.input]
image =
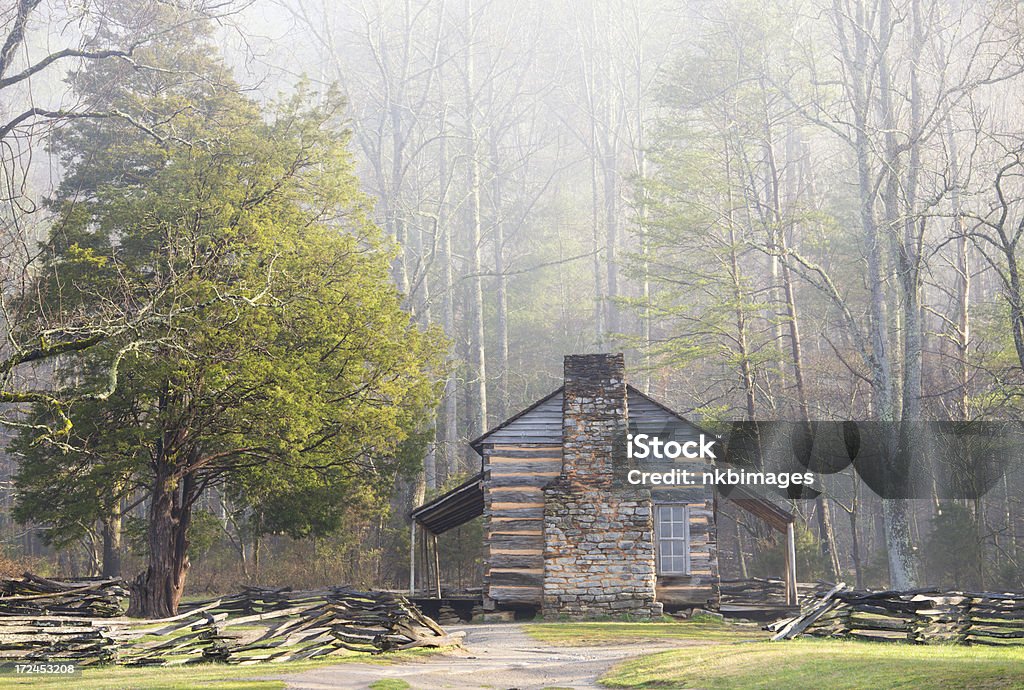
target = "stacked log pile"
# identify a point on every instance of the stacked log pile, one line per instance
(922, 616)
(768, 592)
(48, 638)
(38, 596)
(251, 627)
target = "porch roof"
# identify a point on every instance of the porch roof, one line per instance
(466, 501)
(452, 508)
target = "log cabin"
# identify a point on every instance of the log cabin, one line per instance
(565, 531)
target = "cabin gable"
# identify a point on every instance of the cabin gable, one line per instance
(564, 530)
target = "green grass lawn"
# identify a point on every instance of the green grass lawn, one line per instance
(389, 684)
(833, 664)
(213, 676)
(607, 632)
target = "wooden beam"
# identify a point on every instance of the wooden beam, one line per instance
(425, 559)
(437, 567)
(412, 560)
(791, 595)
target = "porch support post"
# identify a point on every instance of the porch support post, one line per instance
(791, 591)
(437, 566)
(412, 559)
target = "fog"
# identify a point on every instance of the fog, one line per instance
(779, 210)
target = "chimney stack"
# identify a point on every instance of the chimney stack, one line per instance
(594, 422)
(598, 531)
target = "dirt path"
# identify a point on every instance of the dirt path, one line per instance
(499, 656)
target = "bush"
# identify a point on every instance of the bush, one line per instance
(770, 556)
(954, 553)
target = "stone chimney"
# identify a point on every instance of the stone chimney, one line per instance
(599, 555)
(594, 418)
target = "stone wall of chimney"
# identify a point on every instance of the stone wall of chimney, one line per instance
(599, 552)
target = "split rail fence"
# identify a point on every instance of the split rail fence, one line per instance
(767, 592)
(922, 616)
(256, 625)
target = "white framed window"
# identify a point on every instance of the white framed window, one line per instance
(673, 529)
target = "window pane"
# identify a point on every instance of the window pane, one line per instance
(664, 524)
(673, 540)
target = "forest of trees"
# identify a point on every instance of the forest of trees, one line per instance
(780, 210)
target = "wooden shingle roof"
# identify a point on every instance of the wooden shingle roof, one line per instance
(541, 422)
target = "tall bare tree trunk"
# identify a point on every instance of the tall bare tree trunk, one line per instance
(501, 291)
(858, 572)
(645, 249)
(450, 402)
(738, 290)
(599, 294)
(610, 165)
(962, 337)
(894, 511)
(478, 342)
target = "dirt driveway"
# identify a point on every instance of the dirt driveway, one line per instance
(496, 655)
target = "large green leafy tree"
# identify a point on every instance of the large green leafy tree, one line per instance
(279, 365)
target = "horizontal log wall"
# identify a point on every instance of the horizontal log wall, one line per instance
(514, 520)
(700, 587)
(513, 528)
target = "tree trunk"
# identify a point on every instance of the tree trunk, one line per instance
(478, 356)
(828, 536)
(610, 164)
(94, 552)
(112, 542)
(611, 227)
(855, 542)
(157, 591)
(501, 293)
(962, 337)
(642, 212)
(741, 556)
(599, 328)
(449, 403)
(738, 295)
(894, 512)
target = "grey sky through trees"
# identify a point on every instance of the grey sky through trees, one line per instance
(780, 210)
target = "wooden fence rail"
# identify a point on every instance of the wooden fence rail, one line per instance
(33, 595)
(921, 616)
(756, 591)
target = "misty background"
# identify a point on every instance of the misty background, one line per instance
(779, 211)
